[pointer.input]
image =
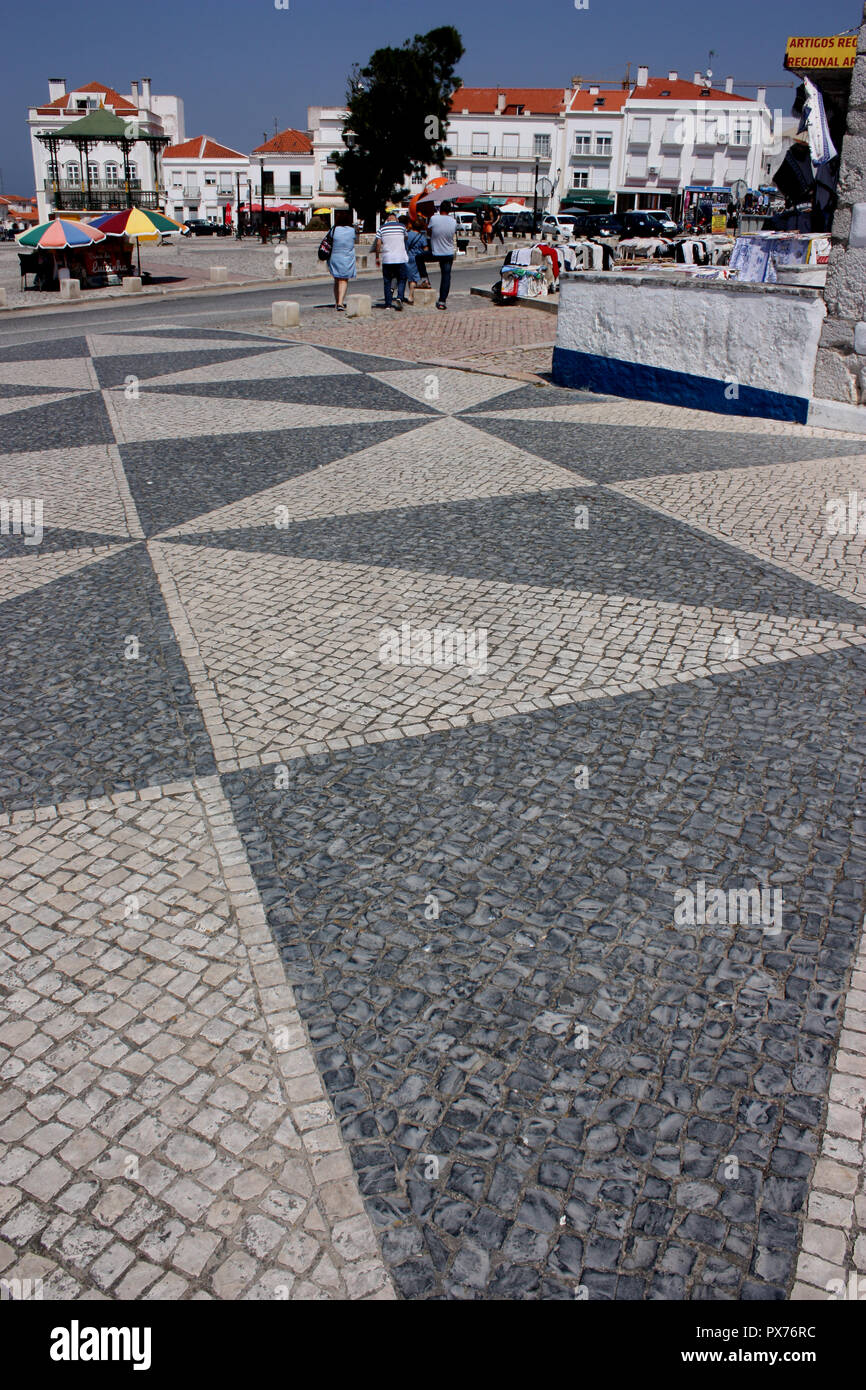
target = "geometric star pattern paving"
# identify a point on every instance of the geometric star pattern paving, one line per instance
(342, 975)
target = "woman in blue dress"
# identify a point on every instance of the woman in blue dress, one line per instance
(341, 261)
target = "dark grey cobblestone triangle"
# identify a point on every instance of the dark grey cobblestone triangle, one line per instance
(78, 420)
(366, 361)
(77, 718)
(613, 453)
(530, 538)
(46, 349)
(536, 398)
(10, 392)
(113, 371)
(497, 1158)
(348, 392)
(174, 480)
(54, 539)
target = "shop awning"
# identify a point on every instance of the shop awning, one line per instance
(588, 197)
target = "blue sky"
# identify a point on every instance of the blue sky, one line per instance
(240, 66)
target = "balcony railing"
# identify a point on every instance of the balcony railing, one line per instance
(592, 151)
(284, 191)
(501, 152)
(104, 196)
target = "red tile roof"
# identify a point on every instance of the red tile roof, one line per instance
(287, 142)
(201, 147)
(109, 98)
(481, 101)
(608, 99)
(662, 88)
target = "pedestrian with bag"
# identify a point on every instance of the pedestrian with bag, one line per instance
(443, 230)
(392, 254)
(341, 261)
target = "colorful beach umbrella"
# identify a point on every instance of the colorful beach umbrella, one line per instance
(139, 224)
(60, 234)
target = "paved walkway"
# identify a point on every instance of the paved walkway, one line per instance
(371, 731)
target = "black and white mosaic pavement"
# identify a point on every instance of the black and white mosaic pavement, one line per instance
(548, 1086)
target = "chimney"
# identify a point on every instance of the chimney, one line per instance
(642, 76)
(729, 84)
(501, 99)
(761, 97)
(698, 80)
(145, 93)
(673, 75)
(56, 88)
(133, 87)
(593, 91)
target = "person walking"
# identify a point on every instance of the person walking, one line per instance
(496, 226)
(341, 261)
(390, 246)
(443, 229)
(416, 270)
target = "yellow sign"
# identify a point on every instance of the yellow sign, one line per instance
(720, 222)
(837, 51)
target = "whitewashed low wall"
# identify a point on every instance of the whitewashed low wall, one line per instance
(709, 344)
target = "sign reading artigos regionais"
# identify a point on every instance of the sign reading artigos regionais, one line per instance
(837, 51)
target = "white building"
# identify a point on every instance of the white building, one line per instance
(593, 148)
(683, 134)
(115, 157)
(325, 128)
(203, 179)
(284, 170)
(497, 135)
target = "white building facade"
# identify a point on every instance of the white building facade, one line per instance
(681, 135)
(204, 179)
(500, 137)
(97, 181)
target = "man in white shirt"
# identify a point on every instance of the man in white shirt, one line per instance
(390, 244)
(443, 229)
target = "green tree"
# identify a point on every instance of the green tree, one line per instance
(399, 105)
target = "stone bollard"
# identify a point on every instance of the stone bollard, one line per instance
(70, 289)
(284, 270)
(285, 313)
(131, 284)
(2, 299)
(219, 274)
(359, 306)
(425, 299)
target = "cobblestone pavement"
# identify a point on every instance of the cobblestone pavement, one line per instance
(377, 739)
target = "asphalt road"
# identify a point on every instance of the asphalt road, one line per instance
(243, 307)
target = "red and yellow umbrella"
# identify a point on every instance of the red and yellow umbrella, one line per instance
(139, 224)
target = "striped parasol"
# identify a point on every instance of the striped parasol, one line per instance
(60, 234)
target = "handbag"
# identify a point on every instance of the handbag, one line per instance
(326, 246)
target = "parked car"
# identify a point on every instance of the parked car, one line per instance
(640, 223)
(517, 223)
(604, 224)
(561, 224)
(466, 221)
(199, 226)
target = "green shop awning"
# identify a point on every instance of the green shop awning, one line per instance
(595, 198)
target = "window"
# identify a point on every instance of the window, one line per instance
(478, 179)
(673, 131)
(703, 170)
(479, 142)
(451, 174)
(670, 170)
(210, 178)
(133, 169)
(72, 172)
(510, 146)
(604, 144)
(708, 131)
(418, 180)
(581, 178)
(112, 173)
(176, 178)
(742, 131)
(637, 166)
(640, 131)
(541, 146)
(295, 181)
(509, 180)
(582, 144)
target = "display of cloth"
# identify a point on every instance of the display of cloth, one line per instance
(814, 122)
